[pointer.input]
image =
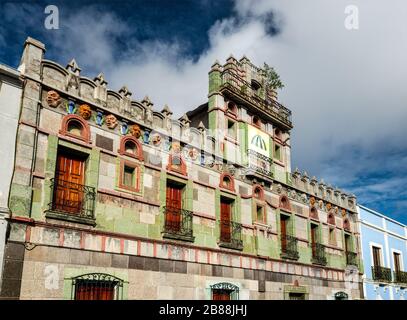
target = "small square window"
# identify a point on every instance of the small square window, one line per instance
(260, 214)
(277, 152)
(231, 129)
(128, 176)
(332, 235)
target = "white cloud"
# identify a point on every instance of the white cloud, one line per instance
(345, 88)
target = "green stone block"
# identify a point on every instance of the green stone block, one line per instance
(154, 231)
(140, 229)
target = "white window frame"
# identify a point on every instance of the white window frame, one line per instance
(393, 251)
(374, 244)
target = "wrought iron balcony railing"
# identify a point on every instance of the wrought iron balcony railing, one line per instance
(72, 199)
(381, 274)
(231, 235)
(178, 224)
(259, 163)
(400, 277)
(351, 259)
(289, 247)
(242, 88)
(318, 254)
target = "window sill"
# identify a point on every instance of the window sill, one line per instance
(231, 246)
(71, 217)
(178, 237)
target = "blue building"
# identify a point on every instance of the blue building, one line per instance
(384, 254)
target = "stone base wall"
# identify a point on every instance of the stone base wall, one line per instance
(47, 273)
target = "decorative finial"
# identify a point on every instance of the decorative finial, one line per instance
(201, 126)
(166, 110)
(100, 79)
(124, 91)
(73, 66)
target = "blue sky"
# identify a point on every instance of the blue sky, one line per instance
(346, 88)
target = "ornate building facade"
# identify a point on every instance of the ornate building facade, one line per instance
(384, 252)
(111, 199)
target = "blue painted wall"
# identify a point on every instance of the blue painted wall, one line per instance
(378, 229)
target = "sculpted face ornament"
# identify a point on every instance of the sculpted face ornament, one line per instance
(85, 111)
(156, 139)
(312, 201)
(111, 121)
(53, 99)
(135, 131)
(193, 154)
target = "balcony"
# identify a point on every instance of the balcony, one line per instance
(289, 247)
(72, 202)
(178, 224)
(381, 274)
(400, 277)
(318, 254)
(351, 259)
(242, 90)
(231, 235)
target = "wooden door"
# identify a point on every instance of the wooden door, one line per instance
(221, 295)
(283, 227)
(94, 291)
(173, 207)
(313, 239)
(376, 257)
(397, 267)
(225, 221)
(69, 178)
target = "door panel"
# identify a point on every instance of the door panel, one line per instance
(376, 257)
(225, 221)
(173, 207)
(283, 223)
(221, 295)
(70, 180)
(313, 240)
(396, 262)
(94, 291)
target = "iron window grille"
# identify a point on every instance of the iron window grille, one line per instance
(400, 277)
(319, 254)
(240, 87)
(289, 247)
(351, 259)
(178, 224)
(81, 204)
(231, 235)
(225, 288)
(259, 163)
(97, 286)
(381, 274)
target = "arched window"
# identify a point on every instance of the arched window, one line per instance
(313, 213)
(346, 224)
(284, 203)
(97, 286)
(256, 121)
(341, 296)
(255, 85)
(227, 182)
(258, 192)
(331, 218)
(277, 133)
(232, 108)
(131, 147)
(225, 291)
(76, 127)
